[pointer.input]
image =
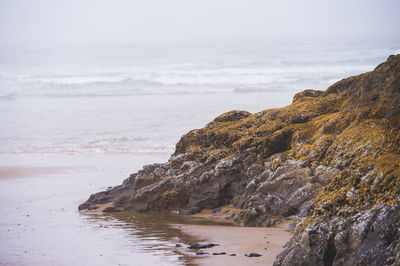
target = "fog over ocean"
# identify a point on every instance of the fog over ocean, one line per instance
(140, 100)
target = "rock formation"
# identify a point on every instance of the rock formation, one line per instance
(331, 160)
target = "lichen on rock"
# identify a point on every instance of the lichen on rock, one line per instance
(330, 159)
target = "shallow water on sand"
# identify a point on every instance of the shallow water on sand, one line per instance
(40, 223)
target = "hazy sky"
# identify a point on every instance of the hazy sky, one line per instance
(28, 23)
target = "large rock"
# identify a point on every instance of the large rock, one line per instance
(355, 219)
(330, 160)
(371, 237)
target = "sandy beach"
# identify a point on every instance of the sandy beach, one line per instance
(267, 242)
(211, 227)
(41, 223)
(25, 172)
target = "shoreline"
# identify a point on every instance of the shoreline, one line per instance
(11, 172)
(230, 237)
(208, 225)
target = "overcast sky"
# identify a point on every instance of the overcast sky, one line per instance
(28, 23)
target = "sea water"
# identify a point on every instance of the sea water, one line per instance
(88, 117)
(138, 100)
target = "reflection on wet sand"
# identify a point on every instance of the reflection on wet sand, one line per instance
(156, 233)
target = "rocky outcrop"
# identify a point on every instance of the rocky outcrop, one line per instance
(370, 237)
(330, 160)
(355, 219)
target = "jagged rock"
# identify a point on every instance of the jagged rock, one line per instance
(331, 159)
(371, 237)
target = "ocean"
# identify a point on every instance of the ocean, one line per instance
(75, 122)
(137, 100)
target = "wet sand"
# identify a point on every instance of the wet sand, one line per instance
(240, 241)
(24, 172)
(42, 226)
(237, 240)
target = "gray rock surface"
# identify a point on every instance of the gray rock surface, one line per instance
(263, 191)
(370, 237)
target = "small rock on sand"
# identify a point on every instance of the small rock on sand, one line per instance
(200, 246)
(252, 254)
(219, 253)
(202, 253)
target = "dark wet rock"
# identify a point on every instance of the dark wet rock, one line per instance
(219, 253)
(330, 159)
(201, 246)
(202, 253)
(232, 255)
(190, 211)
(252, 254)
(178, 245)
(84, 206)
(217, 210)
